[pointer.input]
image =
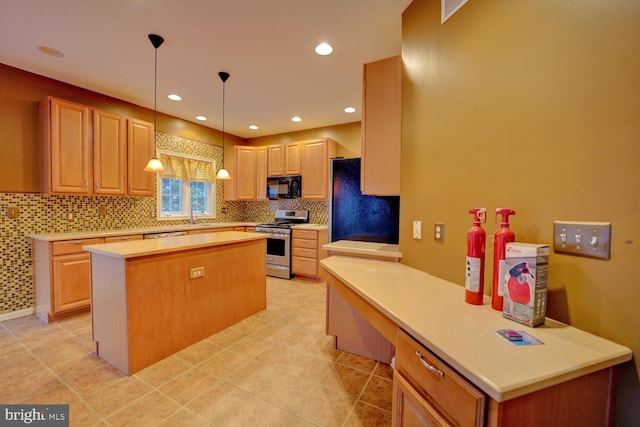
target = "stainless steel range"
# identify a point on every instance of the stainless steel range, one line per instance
(279, 240)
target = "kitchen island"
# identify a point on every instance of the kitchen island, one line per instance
(153, 298)
(452, 367)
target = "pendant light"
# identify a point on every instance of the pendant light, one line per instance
(154, 164)
(223, 173)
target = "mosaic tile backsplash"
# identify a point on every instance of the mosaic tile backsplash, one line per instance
(47, 213)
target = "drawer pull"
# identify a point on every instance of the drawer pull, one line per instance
(429, 367)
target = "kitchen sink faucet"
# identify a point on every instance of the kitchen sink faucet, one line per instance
(193, 218)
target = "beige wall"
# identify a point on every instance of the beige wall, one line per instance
(532, 105)
(346, 135)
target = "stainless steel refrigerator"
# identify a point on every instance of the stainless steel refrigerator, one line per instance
(355, 216)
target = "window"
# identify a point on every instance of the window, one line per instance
(187, 185)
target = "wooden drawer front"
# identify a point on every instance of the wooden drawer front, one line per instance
(305, 234)
(411, 409)
(439, 384)
(250, 229)
(306, 266)
(73, 246)
(304, 252)
(123, 238)
(304, 243)
(238, 229)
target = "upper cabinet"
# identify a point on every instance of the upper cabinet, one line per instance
(292, 158)
(381, 127)
(245, 171)
(284, 159)
(139, 150)
(109, 153)
(92, 152)
(315, 155)
(262, 162)
(67, 150)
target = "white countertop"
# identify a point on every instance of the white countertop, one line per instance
(138, 248)
(364, 248)
(433, 311)
(71, 235)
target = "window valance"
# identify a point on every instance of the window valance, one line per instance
(187, 169)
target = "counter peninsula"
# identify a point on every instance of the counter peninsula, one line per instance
(452, 367)
(152, 298)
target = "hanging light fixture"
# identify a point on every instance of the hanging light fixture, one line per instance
(223, 173)
(154, 164)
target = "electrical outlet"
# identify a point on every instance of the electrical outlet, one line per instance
(438, 232)
(70, 216)
(417, 230)
(196, 272)
(13, 212)
(102, 211)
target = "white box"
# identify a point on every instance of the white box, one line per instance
(525, 293)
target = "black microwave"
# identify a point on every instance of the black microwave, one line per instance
(284, 187)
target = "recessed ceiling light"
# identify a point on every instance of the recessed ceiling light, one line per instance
(296, 119)
(254, 127)
(51, 51)
(349, 110)
(324, 49)
(174, 97)
(201, 118)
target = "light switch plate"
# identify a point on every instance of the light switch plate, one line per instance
(589, 239)
(417, 230)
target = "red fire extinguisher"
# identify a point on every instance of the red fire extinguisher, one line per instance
(474, 279)
(503, 236)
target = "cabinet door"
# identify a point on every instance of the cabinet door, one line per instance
(261, 173)
(139, 150)
(292, 158)
(70, 151)
(71, 281)
(381, 127)
(245, 166)
(276, 160)
(315, 165)
(410, 409)
(109, 153)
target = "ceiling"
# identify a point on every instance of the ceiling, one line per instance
(266, 46)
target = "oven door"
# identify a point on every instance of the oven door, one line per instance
(278, 249)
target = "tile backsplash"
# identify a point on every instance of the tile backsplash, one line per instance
(47, 213)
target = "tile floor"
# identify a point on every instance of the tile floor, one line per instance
(276, 368)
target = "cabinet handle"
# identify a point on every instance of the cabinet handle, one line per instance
(429, 367)
(96, 185)
(86, 185)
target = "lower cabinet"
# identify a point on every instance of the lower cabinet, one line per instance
(306, 251)
(425, 388)
(212, 230)
(62, 277)
(71, 282)
(411, 409)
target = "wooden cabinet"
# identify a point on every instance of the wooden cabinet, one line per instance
(87, 151)
(315, 168)
(275, 160)
(381, 127)
(284, 159)
(63, 277)
(261, 172)
(140, 147)
(242, 167)
(66, 148)
(292, 158)
(109, 153)
(127, 238)
(411, 409)
(306, 251)
(446, 396)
